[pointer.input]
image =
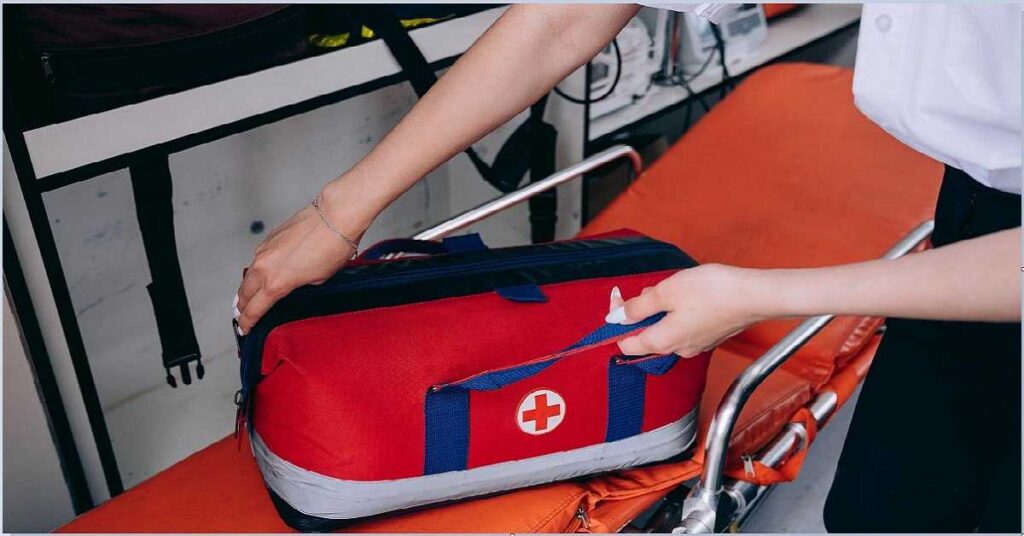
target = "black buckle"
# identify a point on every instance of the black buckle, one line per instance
(183, 366)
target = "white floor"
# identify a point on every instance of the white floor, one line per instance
(796, 507)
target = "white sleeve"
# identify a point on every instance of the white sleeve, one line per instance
(712, 12)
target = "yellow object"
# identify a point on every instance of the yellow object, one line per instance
(342, 39)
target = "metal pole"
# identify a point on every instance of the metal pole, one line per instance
(46, 383)
(700, 508)
(65, 308)
(490, 208)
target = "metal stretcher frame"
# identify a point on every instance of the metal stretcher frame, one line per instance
(702, 507)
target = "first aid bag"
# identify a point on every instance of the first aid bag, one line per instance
(456, 371)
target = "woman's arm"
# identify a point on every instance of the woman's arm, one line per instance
(977, 279)
(519, 59)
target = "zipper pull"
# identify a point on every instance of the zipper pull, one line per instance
(47, 68)
(748, 465)
(581, 514)
(239, 417)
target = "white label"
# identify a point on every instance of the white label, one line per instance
(540, 412)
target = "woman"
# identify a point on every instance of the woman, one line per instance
(943, 79)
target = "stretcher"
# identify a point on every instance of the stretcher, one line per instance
(783, 173)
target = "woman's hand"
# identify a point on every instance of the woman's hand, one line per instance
(705, 305)
(971, 280)
(301, 251)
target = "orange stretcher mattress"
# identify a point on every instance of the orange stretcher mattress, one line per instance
(784, 172)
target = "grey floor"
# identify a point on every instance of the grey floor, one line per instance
(796, 507)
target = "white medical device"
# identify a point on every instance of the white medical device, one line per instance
(743, 31)
(640, 60)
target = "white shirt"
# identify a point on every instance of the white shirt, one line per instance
(944, 79)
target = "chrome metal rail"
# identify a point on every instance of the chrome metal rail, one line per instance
(490, 208)
(700, 509)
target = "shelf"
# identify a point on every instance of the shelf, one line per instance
(75, 143)
(809, 24)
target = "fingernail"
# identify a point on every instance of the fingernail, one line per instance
(616, 316)
(616, 294)
(239, 330)
(235, 312)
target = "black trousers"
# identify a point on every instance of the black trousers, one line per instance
(935, 441)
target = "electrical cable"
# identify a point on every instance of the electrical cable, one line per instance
(727, 83)
(681, 80)
(688, 117)
(611, 89)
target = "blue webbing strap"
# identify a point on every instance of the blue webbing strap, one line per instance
(466, 242)
(447, 446)
(627, 383)
(402, 245)
(528, 293)
(447, 407)
(626, 387)
(451, 244)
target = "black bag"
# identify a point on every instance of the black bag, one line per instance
(75, 60)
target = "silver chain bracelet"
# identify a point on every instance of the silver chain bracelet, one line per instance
(320, 212)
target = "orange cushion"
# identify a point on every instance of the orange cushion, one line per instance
(785, 172)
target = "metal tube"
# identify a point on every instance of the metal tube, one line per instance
(492, 207)
(706, 492)
(745, 495)
(741, 389)
(823, 405)
(47, 244)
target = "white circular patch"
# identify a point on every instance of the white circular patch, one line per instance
(540, 412)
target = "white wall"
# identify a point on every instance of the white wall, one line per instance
(36, 497)
(220, 189)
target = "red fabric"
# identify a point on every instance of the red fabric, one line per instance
(494, 432)
(675, 393)
(339, 389)
(774, 10)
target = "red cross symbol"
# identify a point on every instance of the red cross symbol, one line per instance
(540, 412)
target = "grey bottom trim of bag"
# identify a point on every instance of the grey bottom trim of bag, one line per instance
(333, 498)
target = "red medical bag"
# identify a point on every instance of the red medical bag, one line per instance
(459, 372)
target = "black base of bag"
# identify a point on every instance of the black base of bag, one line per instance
(305, 522)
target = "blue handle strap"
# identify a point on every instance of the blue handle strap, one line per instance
(527, 293)
(452, 244)
(447, 406)
(402, 245)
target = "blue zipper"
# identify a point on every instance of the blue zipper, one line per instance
(523, 261)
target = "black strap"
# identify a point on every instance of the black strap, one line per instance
(532, 144)
(153, 189)
(543, 206)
